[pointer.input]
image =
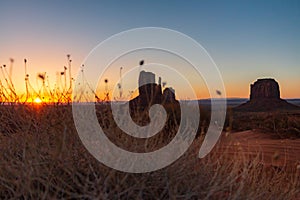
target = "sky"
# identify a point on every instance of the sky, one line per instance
(246, 39)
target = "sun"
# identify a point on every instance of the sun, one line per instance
(37, 100)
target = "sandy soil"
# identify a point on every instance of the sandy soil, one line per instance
(268, 149)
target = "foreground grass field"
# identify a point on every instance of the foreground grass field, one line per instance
(42, 157)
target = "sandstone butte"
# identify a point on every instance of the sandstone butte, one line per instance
(265, 96)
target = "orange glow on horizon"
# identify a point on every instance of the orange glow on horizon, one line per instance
(55, 90)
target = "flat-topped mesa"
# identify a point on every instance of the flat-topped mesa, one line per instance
(265, 96)
(265, 89)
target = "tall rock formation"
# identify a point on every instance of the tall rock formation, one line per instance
(169, 95)
(151, 93)
(265, 89)
(265, 96)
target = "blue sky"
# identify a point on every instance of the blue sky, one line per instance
(246, 39)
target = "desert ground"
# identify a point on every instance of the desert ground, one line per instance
(272, 152)
(42, 157)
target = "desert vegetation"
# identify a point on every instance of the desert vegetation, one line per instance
(42, 157)
(284, 124)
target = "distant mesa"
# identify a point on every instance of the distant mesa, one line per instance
(265, 96)
(151, 93)
(265, 89)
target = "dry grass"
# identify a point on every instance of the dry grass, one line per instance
(43, 158)
(286, 124)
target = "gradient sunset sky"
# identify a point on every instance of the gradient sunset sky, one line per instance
(246, 39)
